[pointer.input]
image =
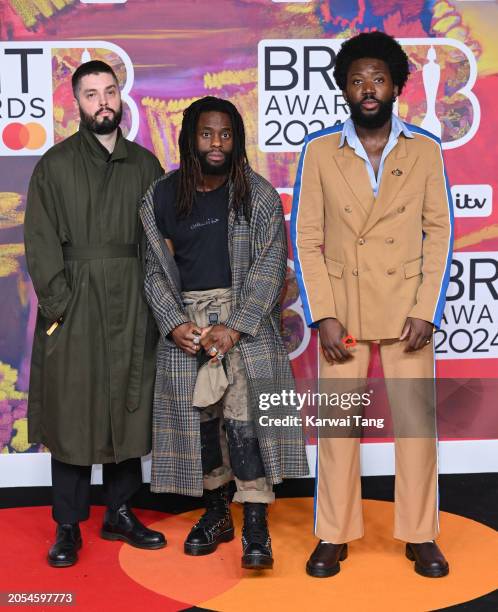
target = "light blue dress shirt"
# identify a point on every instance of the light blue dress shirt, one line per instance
(349, 134)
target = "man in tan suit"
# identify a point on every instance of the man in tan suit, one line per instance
(372, 236)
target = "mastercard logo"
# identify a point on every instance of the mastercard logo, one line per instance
(18, 136)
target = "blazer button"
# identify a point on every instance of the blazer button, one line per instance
(391, 271)
(361, 241)
(355, 272)
(389, 240)
(348, 209)
(401, 209)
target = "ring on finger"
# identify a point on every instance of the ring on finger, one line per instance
(213, 351)
(196, 340)
(220, 356)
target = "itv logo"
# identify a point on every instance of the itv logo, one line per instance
(472, 200)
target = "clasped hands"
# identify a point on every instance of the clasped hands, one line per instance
(216, 340)
(416, 332)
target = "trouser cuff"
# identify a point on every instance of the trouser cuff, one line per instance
(254, 497)
(214, 482)
(69, 519)
(416, 538)
(338, 538)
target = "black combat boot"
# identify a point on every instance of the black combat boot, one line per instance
(256, 542)
(214, 526)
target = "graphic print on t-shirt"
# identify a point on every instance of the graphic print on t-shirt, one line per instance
(200, 239)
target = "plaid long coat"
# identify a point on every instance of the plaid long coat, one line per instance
(258, 258)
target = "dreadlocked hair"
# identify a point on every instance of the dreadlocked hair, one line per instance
(377, 45)
(190, 174)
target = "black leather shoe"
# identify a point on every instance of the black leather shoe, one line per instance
(324, 560)
(64, 552)
(429, 560)
(256, 542)
(122, 524)
(214, 526)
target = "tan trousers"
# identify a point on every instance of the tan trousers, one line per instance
(338, 509)
(231, 409)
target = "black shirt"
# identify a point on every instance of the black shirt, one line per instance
(200, 239)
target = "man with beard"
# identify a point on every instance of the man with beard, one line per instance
(92, 370)
(215, 268)
(372, 237)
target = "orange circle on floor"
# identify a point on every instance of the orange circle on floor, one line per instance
(376, 575)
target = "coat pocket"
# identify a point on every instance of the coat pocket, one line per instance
(334, 268)
(412, 268)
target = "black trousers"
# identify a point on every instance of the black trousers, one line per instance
(71, 487)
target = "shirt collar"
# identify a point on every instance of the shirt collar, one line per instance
(349, 133)
(120, 151)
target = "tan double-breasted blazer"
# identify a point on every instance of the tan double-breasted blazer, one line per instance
(372, 262)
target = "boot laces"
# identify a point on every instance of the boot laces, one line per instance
(256, 530)
(217, 511)
(212, 518)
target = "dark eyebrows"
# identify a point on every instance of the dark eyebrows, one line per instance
(208, 127)
(374, 73)
(93, 90)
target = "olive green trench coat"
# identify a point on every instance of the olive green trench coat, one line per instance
(90, 394)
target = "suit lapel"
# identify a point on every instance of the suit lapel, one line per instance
(355, 174)
(397, 168)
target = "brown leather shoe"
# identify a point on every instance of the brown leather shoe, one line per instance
(429, 560)
(324, 560)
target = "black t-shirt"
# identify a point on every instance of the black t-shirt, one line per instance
(201, 239)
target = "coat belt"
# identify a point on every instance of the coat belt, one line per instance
(97, 251)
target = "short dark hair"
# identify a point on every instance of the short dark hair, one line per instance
(190, 168)
(377, 45)
(91, 67)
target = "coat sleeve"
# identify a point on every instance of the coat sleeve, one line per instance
(159, 297)
(307, 236)
(266, 275)
(437, 246)
(43, 247)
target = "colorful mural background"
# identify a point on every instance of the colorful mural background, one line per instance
(184, 49)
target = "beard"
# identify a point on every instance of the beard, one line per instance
(209, 169)
(372, 122)
(106, 126)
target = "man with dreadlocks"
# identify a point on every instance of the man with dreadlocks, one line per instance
(215, 268)
(372, 237)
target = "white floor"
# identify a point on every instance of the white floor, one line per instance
(455, 457)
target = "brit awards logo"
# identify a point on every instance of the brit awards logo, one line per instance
(469, 328)
(297, 94)
(296, 334)
(26, 117)
(29, 110)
